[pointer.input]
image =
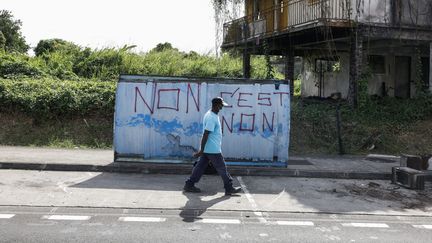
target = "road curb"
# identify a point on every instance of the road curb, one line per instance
(158, 168)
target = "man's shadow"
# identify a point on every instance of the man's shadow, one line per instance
(195, 207)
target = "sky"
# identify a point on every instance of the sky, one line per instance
(187, 25)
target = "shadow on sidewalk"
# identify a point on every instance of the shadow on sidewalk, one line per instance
(272, 193)
(190, 213)
(134, 182)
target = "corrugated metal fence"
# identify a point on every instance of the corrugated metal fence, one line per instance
(160, 119)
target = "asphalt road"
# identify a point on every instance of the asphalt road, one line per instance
(41, 206)
(71, 224)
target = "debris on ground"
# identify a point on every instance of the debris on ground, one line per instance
(398, 196)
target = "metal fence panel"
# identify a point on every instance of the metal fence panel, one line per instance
(162, 119)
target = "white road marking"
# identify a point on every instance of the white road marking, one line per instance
(141, 219)
(6, 216)
(43, 224)
(366, 225)
(423, 226)
(225, 236)
(62, 186)
(66, 217)
(296, 223)
(249, 197)
(333, 237)
(219, 221)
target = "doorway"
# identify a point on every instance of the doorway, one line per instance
(403, 77)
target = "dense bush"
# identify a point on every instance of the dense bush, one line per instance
(64, 79)
(63, 60)
(55, 45)
(52, 98)
(16, 65)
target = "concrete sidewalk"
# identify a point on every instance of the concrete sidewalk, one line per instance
(340, 167)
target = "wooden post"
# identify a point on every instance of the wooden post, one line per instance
(246, 64)
(356, 54)
(289, 68)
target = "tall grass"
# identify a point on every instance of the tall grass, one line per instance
(106, 64)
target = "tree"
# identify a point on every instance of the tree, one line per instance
(163, 46)
(11, 31)
(53, 45)
(2, 41)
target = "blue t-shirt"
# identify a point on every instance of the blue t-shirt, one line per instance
(212, 124)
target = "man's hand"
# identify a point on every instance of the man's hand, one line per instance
(203, 143)
(197, 154)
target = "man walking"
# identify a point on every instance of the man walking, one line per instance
(210, 150)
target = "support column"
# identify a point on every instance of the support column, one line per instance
(246, 65)
(430, 67)
(289, 68)
(356, 59)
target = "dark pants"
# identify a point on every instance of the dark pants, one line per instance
(218, 163)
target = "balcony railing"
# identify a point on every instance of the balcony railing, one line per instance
(287, 15)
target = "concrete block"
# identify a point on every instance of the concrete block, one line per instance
(408, 177)
(414, 162)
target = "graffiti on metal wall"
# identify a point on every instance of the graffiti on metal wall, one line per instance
(165, 119)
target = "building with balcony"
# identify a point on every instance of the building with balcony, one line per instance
(386, 42)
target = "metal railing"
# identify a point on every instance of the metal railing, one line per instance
(282, 17)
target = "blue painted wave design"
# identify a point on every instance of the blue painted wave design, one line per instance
(160, 126)
(175, 126)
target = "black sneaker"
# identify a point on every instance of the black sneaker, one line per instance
(232, 190)
(189, 188)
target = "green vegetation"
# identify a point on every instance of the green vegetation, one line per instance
(380, 125)
(11, 38)
(64, 97)
(400, 126)
(47, 98)
(62, 60)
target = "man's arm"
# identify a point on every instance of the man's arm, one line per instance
(203, 143)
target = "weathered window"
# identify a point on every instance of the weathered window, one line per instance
(324, 65)
(377, 64)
